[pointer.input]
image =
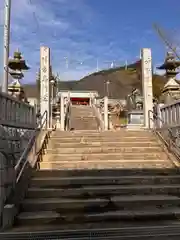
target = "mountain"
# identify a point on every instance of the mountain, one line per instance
(122, 81)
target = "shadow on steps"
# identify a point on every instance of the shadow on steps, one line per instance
(79, 199)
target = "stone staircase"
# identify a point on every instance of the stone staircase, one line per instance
(90, 180)
(83, 118)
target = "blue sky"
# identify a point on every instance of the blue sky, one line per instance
(86, 30)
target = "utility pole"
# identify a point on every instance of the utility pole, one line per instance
(7, 15)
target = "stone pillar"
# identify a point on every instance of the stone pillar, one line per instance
(147, 86)
(62, 113)
(105, 113)
(44, 82)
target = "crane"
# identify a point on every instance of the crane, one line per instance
(165, 39)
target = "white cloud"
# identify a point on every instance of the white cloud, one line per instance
(71, 29)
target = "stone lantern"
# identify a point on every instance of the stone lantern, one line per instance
(16, 67)
(171, 90)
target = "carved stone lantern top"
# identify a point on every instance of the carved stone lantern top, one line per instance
(170, 65)
(17, 63)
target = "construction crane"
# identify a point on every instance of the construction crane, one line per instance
(165, 39)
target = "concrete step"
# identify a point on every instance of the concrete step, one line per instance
(111, 164)
(121, 133)
(54, 157)
(53, 217)
(80, 125)
(83, 125)
(84, 120)
(80, 115)
(90, 126)
(84, 143)
(40, 180)
(146, 230)
(94, 205)
(99, 191)
(83, 115)
(112, 175)
(107, 150)
(92, 139)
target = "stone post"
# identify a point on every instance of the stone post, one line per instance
(90, 99)
(105, 113)
(146, 61)
(62, 113)
(58, 115)
(69, 96)
(159, 116)
(45, 82)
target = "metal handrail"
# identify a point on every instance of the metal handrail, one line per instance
(172, 138)
(28, 148)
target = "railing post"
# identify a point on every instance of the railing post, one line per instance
(91, 99)
(69, 96)
(105, 113)
(160, 119)
(62, 113)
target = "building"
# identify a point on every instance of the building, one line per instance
(79, 97)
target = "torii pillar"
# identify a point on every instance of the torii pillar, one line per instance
(146, 66)
(45, 82)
